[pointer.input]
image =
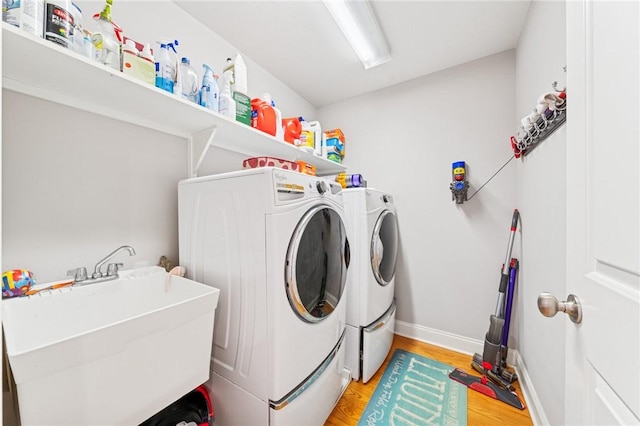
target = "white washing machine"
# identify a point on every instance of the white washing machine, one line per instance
(372, 231)
(274, 243)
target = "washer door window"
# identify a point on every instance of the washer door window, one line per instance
(384, 247)
(316, 265)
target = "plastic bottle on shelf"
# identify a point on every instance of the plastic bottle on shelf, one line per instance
(88, 47)
(266, 97)
(188, 81)
(238, 74)
(209, 92)
(227, 104)
(165, 69)
(305, 142)
(106, 39)
(316, 133)
(263, 115)
(59, 21)
(173, 54)
(146, 53)
(256, 113)
(130, 47)
(78, 33)
(292, 130)
(279, 129)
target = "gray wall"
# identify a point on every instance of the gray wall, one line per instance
(76, 186)
(541, 177)
(403, 139)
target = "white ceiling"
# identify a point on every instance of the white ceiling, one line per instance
(299, 43)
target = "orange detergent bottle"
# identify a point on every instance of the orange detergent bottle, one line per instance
(292, 130)
(263, 116)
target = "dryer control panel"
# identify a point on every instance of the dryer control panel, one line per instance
(290, 186)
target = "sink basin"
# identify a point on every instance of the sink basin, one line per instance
(111, 353)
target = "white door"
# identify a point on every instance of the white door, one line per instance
(603, 186)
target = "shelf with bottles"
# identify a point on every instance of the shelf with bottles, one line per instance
(39, 68)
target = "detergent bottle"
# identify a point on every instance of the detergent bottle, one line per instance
(227, 104)
(306, 136)
(256, 113)
(266, 97)
(263, 116)
(209, 92)
(292, 130)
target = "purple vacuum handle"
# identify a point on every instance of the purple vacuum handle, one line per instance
(507, 315)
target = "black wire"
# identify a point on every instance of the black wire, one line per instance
(494, 175)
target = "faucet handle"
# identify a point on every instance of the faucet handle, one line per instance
(78, 274)
(112, 268)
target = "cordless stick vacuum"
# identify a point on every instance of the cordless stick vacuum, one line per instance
(513, 272)
(491, 363)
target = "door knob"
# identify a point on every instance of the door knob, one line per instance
(548, 306)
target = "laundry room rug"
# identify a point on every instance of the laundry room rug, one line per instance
(415, 390)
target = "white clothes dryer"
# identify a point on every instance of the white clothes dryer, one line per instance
(372, 231)
(274, 242)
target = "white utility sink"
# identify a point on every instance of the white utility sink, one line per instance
(110, 353)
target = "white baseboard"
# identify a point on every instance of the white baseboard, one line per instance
(439, 338)
(469, 346)
(536, 411)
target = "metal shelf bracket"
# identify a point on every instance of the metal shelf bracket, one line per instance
(198, 147)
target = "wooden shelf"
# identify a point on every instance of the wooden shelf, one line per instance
(42, 69)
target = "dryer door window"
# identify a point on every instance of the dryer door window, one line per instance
(316, 264)
(384, 247)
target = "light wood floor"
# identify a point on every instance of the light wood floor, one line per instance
(481, 410)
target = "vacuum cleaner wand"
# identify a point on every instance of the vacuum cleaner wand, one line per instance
(494, 337)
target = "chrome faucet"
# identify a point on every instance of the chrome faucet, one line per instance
(80, 274)
(112, 270)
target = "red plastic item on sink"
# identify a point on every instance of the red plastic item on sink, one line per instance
(253, 162)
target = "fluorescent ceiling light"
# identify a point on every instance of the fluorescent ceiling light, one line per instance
(359, 25)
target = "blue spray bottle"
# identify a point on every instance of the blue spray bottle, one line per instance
(209, 93)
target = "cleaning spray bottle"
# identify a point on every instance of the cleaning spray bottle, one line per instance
(227, 104)
(209, 92)
(173, 54)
